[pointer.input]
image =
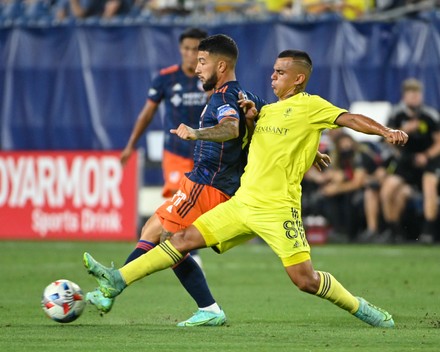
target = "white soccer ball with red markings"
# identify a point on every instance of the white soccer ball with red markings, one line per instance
(63, 301)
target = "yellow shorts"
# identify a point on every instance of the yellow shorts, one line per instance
(232, 223)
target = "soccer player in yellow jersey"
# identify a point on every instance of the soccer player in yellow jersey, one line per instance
(268, 202)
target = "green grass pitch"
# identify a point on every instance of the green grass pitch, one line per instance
(265, 311)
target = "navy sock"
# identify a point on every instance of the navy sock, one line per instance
(192, 278)
(142, 247)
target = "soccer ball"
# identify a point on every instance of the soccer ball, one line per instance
(63, 301)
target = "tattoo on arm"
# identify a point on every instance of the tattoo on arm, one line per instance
(165, 235)
(224, 131)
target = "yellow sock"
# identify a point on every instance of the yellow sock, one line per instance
(161, 257)
(332, 290)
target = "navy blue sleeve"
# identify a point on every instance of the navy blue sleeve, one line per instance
(157, 89)
(226, 106)
(259, 103)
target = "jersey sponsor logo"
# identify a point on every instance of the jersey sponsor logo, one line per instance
(189, 99)
(271, 130)
(226, 110)
(194, 98)
(176, 100)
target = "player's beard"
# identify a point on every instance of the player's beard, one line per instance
(210, 83)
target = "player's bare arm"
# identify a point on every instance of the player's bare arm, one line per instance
(367, 125)
(227, 129)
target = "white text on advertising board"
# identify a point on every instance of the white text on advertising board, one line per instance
(46, 180)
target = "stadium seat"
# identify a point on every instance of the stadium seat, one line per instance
(377, 110)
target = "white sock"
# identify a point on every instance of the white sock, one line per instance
(213, 308)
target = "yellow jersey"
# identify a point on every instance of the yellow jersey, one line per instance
(283, 148)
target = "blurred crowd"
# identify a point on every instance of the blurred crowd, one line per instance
(375, 192)
(61, 10)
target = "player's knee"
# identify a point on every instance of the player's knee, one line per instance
(307, 283)
(187, 240)
(306, 286)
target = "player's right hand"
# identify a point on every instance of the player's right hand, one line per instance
(185, 132)
(125, 155)
(397, 137)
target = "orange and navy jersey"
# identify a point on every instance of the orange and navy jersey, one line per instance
(184, 100)
(221, 164)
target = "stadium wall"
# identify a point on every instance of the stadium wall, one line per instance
(80, 87)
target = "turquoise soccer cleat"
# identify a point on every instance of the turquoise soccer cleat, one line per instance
(205, 318)
(96, 298)
(110, 280)
(373, 315)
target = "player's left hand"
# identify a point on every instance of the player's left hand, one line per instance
(185, 132)
(321, 161)
(396, 137)
(248, 106)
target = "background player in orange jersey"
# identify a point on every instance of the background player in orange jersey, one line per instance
(181, 91)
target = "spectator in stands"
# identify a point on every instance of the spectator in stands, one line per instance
(12, 9)
(37, 9)
(276, 6)
(349, 9)
(89, 8)
(416, 167)
(349, 188)
(170, 7)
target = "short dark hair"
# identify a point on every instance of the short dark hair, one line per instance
(297, 55)
(412, 84)
(193, 33)
(220, 44)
